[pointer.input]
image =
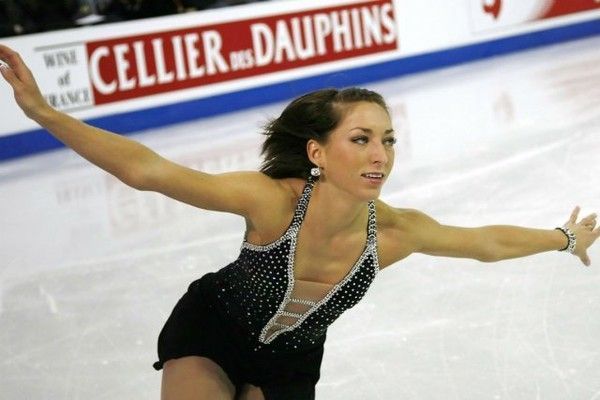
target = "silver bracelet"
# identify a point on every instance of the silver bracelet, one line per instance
(571, 237)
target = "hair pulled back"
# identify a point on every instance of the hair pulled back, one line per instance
(311, 116)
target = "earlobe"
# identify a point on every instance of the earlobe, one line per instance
(313, 149)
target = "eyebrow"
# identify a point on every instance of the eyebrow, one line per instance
(370, 131)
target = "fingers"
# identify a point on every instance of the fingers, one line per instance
(4, 51)
(573, 217)
(8, 55)
(9, 75)
(589, 221)
(589, 217)
(14, 61)
(585, 260)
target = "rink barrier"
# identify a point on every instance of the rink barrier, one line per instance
(38, 140)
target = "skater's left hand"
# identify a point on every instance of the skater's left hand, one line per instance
(585, 232)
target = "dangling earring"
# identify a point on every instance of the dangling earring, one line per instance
(315, 172)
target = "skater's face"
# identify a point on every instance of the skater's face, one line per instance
(359, 153)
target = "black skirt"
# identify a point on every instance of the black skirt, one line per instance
(199, 327)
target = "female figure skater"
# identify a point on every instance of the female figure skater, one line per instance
(316, 236)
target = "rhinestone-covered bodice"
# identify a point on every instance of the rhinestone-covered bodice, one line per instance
(257, 289)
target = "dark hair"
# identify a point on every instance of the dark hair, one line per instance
(311, 116)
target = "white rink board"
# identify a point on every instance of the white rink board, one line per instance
(70, 77)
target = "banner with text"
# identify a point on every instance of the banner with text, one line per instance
(137, 66)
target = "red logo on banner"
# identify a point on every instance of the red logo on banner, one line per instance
(138, 66)
(563, 7)
(493, 8)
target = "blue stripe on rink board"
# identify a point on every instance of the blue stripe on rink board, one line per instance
(38, 140)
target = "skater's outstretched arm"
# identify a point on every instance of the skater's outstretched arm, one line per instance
(422, 234)
(133, 163)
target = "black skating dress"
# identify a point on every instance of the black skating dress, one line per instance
(259, 323)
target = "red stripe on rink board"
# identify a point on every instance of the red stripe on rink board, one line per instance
(137, 66)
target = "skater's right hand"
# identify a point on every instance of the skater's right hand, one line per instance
(26, 91)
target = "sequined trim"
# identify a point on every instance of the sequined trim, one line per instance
(372, 233)
(367, 252)
(370, 249)
(257, 247)
(288, 293)
(303, 301)
(294, 225)
(289, 314)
